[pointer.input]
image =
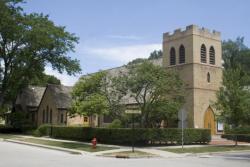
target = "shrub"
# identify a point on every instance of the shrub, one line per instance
(42, 130)
(238, 137)
(9, 129)
(124, 136)
(238, 130)
(115, 124)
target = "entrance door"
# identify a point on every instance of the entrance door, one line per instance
(209, 120)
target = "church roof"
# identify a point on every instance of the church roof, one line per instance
(61, 95)
(30, 96)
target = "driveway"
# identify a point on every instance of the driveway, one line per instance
(17, 155)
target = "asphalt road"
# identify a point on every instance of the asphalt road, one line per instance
(17, 155)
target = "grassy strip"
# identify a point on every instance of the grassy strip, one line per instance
(7, 136)
(130, 154)
(69, 145)
(207, 149)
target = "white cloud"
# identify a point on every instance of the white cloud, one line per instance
(123, 54)
(65, 79)
(126, 37)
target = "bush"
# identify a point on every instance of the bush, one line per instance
(9, 129)
(238, 130)
(43, 130)
(238, 137)
(124, 136)
(115, 124)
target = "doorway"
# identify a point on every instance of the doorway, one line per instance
(209, 120)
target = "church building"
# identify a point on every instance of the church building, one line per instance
(196, 54)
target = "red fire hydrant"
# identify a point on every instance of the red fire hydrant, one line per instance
(94, 142)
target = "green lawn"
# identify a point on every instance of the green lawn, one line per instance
(6, 136)
(207, 149)
(129, 154)
(70, 145)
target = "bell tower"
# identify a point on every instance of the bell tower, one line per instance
(195, 53)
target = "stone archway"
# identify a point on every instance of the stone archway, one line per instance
(209, 120)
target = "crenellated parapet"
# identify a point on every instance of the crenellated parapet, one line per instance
(191, 30)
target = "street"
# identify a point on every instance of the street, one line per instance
(17, 155)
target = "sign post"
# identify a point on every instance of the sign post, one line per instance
(133, 112)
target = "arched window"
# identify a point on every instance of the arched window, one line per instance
(182, 54)
(172, 56)
(208, 77)
(47, 114)
(50, 116)
(212, 55)
(43, 116)
(203, 54)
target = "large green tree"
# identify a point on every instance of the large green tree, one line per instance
(99, 93)
(28, 43)
(88, 97)
(234, 95)
(158, 93)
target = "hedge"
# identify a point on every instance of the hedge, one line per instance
(9, 129)
(239, 130)
(124, 136)
(238, 137)
(239, 134)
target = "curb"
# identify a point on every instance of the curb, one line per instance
(44, 146)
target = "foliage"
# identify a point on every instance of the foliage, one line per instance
(115, 124)
(234, 96)
(239, 130)
(155, 55)
(136, 61)
(124, 136)
(28, 43)
(44, 79)
(9, 129)
(88, 97)
(233, 99)
(158, 93)
(237, 137)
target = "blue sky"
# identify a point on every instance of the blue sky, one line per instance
(113, 32)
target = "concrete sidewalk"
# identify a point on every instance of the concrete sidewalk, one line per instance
(155, 150)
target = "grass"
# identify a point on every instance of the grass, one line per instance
(207, 149)
(7, 136)
(129, 154)
(69, 145)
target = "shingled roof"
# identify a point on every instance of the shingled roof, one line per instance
(61, 95)
(30, 96)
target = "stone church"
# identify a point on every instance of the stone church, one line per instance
(196, 54)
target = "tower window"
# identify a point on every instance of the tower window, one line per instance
(203, 54)
(212, 55)
(182, 54)
(208, 77)
(172, 56)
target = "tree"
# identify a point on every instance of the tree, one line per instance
(155, 55)
(28, 43)
(44, 79)
(158, 93)
(235, 54)
(233, 99)
(88, 97)
(234, 96)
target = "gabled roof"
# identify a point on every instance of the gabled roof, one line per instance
(30, 96)
(61, 95)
